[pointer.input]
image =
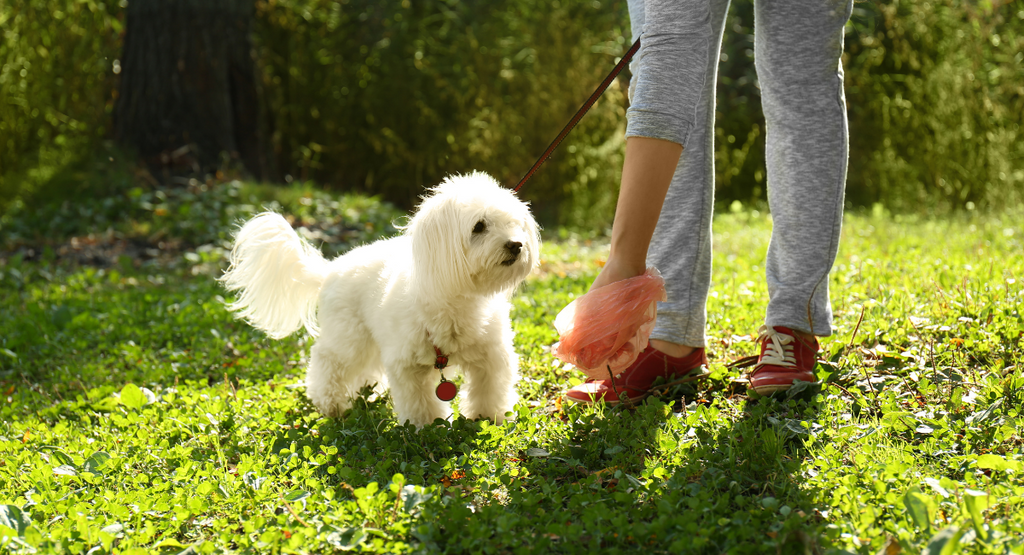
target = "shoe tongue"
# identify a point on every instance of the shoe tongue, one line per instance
(810, 342)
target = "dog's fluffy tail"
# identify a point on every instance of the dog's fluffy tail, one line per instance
(277, 276)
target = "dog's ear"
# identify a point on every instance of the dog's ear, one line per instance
(439, 247)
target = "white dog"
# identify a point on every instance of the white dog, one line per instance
(393, 312)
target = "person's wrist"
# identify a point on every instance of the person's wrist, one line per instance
(627, 266)
(616, 269)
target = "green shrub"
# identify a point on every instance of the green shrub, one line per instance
(936, 97)
(931, 88)
(391, 96)
(57, 63)
(739, 123)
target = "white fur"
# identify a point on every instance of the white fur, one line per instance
(381, 308)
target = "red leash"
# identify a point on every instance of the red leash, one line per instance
(581, 112)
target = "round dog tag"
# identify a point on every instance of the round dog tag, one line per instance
(446, 390)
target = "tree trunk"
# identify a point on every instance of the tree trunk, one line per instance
(188, 86)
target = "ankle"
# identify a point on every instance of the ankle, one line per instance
(807, 338)
(673, 350)
(801, 334)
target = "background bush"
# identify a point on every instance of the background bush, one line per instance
(57, 86)
(936, 94)
(388, 96)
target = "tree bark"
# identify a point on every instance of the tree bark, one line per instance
(188, 89)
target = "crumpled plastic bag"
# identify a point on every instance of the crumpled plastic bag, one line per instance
(607, 328)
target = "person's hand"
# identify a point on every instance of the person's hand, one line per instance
(616, 270)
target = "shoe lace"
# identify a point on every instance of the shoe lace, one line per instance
(778, 349)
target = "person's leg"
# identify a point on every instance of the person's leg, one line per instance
(672, 102)
(668, 100)
(681, 246)
(797, 50)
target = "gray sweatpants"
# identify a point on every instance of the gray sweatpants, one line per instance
(797, 47)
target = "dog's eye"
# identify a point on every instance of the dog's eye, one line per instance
(479, 227)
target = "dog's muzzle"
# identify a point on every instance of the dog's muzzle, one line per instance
(513, 248)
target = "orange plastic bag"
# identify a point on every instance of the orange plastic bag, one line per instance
(608, 327)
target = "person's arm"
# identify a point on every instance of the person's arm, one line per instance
(646, 174)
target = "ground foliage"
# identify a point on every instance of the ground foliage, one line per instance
(105, 200)
(138, 415)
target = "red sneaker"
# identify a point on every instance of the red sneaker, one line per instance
(636, 381)
(785, 357)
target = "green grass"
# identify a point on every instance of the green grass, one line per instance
(138, 416)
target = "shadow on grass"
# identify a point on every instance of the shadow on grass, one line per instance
(706, 480)
(372, 446)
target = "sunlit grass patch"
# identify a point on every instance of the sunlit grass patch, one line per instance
(138, 414)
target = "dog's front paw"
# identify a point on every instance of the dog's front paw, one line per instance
(329, 402)
(421, 418)
(496, 414)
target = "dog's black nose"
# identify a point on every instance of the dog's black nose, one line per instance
(514, 247)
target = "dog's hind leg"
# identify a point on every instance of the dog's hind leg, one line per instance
(333, 381)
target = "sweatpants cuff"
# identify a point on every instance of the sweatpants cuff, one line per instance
(657, 125)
